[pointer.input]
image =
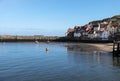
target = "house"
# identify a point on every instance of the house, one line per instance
(118, 29)
(95, 27)
(87, 29)
(96, 34)
(91, 34)
(70, 32)
(77, 34)
(115, 27)
(105, 35)
(112, 28)
(103, 27)
(77, 31)
(77, 28)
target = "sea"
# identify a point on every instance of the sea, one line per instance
(56, 62)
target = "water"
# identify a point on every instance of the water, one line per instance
(31, 62)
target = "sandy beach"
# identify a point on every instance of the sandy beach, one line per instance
(90, 47)
(102, 47)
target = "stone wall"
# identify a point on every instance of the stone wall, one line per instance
(27, 38)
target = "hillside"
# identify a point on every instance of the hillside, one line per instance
(105, 29)
(115, 20)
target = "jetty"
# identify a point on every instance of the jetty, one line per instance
(116, 49)
(116, 45)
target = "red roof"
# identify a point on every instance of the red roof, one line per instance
(70, 30)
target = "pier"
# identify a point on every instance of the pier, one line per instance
(116, 49)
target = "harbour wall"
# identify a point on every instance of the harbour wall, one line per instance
(11, 38)
(8, 38)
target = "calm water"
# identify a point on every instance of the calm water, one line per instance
(63, 62)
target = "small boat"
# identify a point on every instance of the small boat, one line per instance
(36, 42)
(48, 41)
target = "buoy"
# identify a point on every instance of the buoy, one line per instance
(46, 49)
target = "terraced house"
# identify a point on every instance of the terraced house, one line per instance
(103, 29)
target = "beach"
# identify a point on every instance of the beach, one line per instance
(102, 47)
(91, 47)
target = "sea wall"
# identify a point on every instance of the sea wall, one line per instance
(10, 38)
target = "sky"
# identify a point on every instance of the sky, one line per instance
(51, 17)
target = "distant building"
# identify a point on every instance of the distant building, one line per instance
(105, 35)
(70, 32)
(102, 29)
(77, 34)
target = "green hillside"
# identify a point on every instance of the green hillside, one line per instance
(115, 20)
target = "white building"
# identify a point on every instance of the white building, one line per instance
(77, 34)
(96, 34)
(105, 35)
(112, 29)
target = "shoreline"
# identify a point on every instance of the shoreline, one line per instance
(78, 46)
(91, 47)
(103, 47)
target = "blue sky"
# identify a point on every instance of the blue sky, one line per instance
(51, 17)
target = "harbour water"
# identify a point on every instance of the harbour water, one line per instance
(61, 62)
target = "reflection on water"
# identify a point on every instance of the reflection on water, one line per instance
(31, 62)
(116, 61)
(78, 52)
(93, 56)
(77, 48)
(82, 48)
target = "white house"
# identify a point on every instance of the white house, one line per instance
(112, 29)
(103, 27)
(77, 34)
(91, 35)
(85, 33)
(95, 27)
(105, 35)
(96, 34)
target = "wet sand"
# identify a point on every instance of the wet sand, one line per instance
(90, 47)
(102, 47)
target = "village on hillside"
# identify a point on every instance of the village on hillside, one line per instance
(97, 30)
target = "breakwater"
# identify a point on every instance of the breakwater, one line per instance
(11, 38)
